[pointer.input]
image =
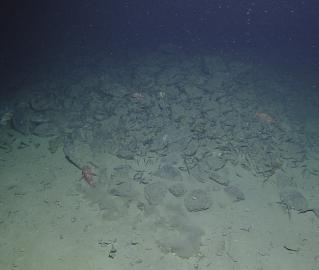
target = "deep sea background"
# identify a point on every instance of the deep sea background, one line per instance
(181, 133)
(36, 34)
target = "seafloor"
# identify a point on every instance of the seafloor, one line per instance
(204, 161)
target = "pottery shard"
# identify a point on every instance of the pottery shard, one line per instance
(45, 130)
(42, 101)
(198, 200)
(21, 119)
(293, 199)
(169, 172)
(199, 174)
(215, 163)
(178, 190)
(120, 184)
(218, 179)
(284, 181)
(155, 192)
(316, 211)
(235, 193)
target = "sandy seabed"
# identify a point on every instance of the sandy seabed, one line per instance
(49, 219)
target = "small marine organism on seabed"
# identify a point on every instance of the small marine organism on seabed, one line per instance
(87, 175)
(265, 118)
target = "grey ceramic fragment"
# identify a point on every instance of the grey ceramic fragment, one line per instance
(120, 182)
(42, 101)
(283, 180)
(45, 130)
(224, 181)
(155, 192)
(169, 172)
(178, 190)
(235, 193)
(293, 199)
(199, 174)
(215, 162)
(21, 119)
(198, 200)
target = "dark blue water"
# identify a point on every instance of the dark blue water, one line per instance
(35, 32)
